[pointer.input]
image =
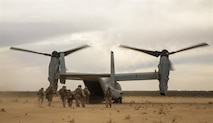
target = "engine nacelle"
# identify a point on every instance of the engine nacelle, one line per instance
(164, 69)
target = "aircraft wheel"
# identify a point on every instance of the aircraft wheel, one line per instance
(120, 99)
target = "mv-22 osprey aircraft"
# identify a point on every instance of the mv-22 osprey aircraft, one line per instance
(98, 83)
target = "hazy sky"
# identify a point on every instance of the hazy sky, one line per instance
(47, 25)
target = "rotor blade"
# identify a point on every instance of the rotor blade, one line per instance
(74, 50)
(30, 51)
(188, 48)
(153, 53)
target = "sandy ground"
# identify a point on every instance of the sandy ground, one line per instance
(135, 109)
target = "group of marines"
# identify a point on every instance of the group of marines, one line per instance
(80, 95)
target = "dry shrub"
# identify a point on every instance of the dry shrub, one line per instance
(138, 107)
(174, 120)
(72, 121)
(131, 103)
(127, 117)
(162, 111)
(109, 121)
(3, 110)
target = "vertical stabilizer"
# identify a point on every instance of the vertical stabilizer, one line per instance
(112, 74)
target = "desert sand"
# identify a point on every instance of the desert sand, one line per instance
(134, 109)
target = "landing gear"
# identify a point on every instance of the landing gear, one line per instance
(162, 94)
(119, 100)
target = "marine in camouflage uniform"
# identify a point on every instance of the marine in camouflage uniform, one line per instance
(87, 94)
(79, 96)
(49, 95)
(40, 96)
(70, 98)
(108, 97)
(63, 94)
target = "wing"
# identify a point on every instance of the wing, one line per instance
(84, 76)
(118, 77)
(136, 76)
